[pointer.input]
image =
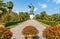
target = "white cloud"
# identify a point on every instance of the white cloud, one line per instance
(35, 9)
(57, 1)
(23, 11)
(16, 12)
(43, 5)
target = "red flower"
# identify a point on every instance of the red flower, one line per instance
(29, 30)
(50, 32)
(5, 33)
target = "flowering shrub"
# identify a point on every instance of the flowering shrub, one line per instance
(30, 30)
(52, 32)
(5, 33)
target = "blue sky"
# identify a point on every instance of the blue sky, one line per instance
(50, 6)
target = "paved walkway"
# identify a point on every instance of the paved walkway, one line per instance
(18, 29)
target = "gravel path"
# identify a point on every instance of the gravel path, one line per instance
(18, 29)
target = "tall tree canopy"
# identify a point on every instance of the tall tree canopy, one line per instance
(10, 5)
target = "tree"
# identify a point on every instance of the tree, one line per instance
(8, 16)
(55, 17)
(1, 1)
(2, 9)
(42, 16)
(10, 6)
(11, 17)
(38, 16)
(23, 16)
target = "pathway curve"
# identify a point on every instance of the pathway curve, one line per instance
(18, 29)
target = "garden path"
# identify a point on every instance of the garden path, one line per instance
(17, 31)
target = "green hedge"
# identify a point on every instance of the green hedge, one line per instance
(11, 23)
(48, 22)
(52, 23)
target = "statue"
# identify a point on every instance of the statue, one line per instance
(31, 8)
(31, 11)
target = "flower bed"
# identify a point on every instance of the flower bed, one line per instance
(5, 33)
(30, 30)
(52, 32)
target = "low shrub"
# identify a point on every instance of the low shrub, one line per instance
(11, 23)
(30, 30)
(52, 32)
(5, 33)
(52, 23)
(58, 22)
(49, 22)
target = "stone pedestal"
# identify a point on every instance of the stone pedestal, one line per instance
(31, 16)
(29, 37)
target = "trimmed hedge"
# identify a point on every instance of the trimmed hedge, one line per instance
(11, 23)
(48, 22)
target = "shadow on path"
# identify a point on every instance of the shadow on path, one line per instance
(36, 37)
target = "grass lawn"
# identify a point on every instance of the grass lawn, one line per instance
(48, 25)
(12, 26)
(45, 25)
(58, 24)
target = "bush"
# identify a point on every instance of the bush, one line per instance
(52, 32)
(45, 21)
(58, 22)
(29, 30)
(49, 22)
(5, 33)
(52, 23)
(39, 20)
(11, 23)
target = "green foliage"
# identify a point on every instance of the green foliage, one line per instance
(1, 11)
(9, 17)
(11, 23)
(2, 4)
(55, 17)
(48, 19)
(23, 16)
(10, 5)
